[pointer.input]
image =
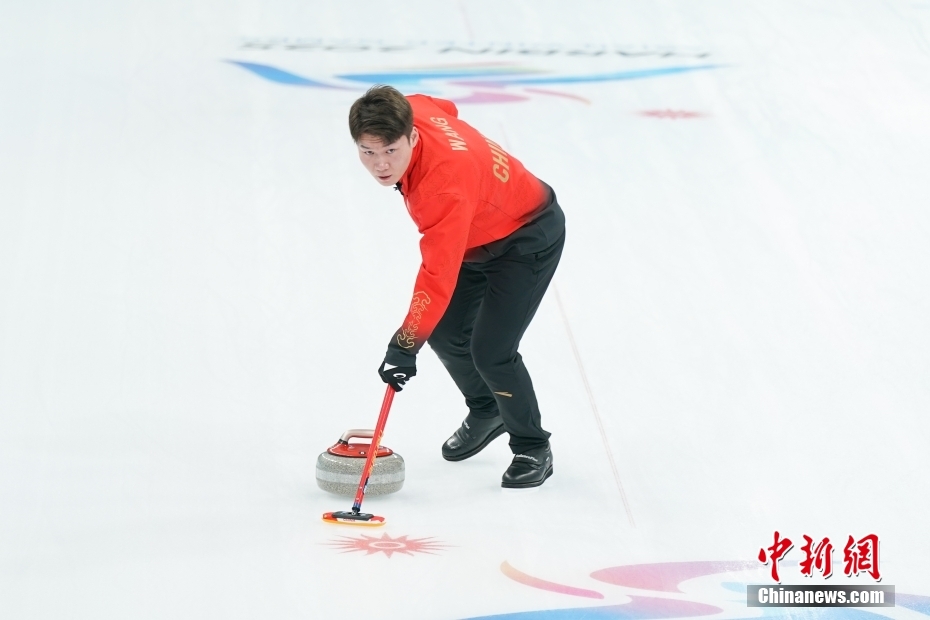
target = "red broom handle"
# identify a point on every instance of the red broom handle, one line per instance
(373, 448)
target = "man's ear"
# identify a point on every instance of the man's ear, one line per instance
(414, 137)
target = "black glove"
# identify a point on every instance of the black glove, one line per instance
(396, 376)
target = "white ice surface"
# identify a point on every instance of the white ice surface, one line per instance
(197, 281)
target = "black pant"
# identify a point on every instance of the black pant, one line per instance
(478, 336)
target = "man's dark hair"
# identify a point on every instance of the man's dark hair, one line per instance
(383, 112)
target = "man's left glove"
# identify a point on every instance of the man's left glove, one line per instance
(396, 376)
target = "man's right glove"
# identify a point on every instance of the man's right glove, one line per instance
(396, 376)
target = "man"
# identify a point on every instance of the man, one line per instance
(492, 238)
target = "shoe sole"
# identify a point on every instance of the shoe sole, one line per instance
(527, 485)
(461, 457)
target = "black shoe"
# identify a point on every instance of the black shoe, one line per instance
(529, 468)
(472, 437)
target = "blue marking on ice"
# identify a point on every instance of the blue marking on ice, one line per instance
(280, 76)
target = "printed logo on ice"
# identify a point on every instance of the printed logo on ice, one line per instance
(466, 82)
(657, 591)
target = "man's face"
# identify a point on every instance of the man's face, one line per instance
(387, 162)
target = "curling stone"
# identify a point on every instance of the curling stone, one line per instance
(339, 469)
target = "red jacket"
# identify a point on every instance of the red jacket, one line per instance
(462, 191)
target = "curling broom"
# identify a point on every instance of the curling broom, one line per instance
(356, 516)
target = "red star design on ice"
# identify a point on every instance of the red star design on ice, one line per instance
(388, 545)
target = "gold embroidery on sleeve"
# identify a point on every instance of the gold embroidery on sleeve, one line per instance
(408, 335)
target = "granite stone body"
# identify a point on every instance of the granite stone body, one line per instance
(340, 474)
